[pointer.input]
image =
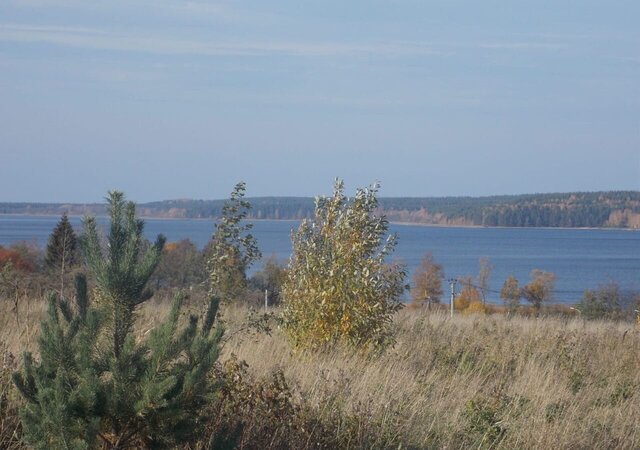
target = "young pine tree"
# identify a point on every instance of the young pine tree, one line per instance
(95, 384)
(62, 252)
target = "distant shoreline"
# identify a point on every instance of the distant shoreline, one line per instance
(437, 225)
(427, 225)
(569, 210)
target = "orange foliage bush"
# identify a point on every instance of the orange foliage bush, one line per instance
(16, 260)
(170, 246)
(460, 303)
(475, 307)
(468, 295)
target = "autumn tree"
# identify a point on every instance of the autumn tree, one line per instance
(61, 252)
(539, 289)
(469, 294)
(339, 289)
(427, 282)
(232, 249)
(511, 293)
(483, 277)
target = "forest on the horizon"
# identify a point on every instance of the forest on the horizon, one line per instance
(620, 209)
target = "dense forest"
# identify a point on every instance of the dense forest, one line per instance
(578, 209)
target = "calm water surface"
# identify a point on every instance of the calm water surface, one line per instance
(580, 258)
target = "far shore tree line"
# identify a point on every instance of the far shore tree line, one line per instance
(619, 209)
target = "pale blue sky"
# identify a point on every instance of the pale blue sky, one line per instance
(172, 99)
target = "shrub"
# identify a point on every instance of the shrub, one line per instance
(484, 421)
(338, 287)
(16, 259)
(475, 307)
(252, 413)
(601, 303)
(468, 295)
(265, 413)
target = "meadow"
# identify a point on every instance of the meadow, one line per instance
(471, 381)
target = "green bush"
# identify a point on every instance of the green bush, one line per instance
(601, 303)
(484, 422)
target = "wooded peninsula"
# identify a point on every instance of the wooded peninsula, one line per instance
(616, 209)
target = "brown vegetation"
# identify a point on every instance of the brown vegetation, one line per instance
(474, 381)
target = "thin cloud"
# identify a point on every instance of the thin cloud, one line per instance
(632, 59)
(102, 40)
(520, 46)
(50, 29)
(99, 39)
(225, 11)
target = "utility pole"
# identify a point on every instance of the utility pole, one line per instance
(266, 300)
(452, 285)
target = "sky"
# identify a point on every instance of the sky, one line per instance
(167, 99)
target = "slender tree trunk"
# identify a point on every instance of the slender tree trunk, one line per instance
(62, 265)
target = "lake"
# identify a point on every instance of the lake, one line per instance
(580, 258)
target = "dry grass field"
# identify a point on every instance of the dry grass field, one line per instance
(473, 381)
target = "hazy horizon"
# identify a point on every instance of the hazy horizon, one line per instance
(173, 99)
(349, 194)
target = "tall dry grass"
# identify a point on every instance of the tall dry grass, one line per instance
(467, 382)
